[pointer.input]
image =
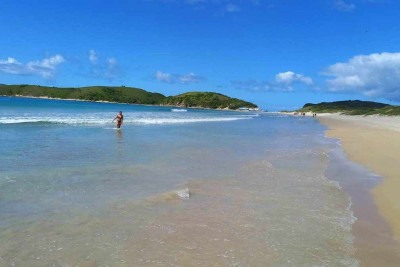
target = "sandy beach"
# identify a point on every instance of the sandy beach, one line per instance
(374, 142)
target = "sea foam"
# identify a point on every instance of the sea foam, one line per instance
(104, 121)
(183, 193)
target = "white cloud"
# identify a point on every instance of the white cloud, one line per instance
(106, 69)
(343, 6)
(189, 78)
(219, 6)
(254, 85)
(164, 77)
(284, 82)
(178, 78)
(374, 75)
(232, 8)
(45, 67)
(112, 68)
(12, 66)
(111, 62)
(194, 2)
(93, 56)
(290, 77)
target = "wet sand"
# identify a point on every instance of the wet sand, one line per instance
(374, 142)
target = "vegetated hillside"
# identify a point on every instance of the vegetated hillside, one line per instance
(94, 93)
(206, 100)
(127, 95)
(352, 107)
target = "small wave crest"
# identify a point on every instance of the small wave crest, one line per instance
(180, 121)
(183, 193)
(27, 121)
(178, 194)
(6, 180)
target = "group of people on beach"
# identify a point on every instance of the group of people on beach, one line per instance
(303, 114)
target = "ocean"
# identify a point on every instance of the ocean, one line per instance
(172, 187)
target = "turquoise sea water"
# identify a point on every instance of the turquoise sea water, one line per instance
(75, 191)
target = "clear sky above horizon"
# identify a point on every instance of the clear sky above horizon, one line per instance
(278, 54)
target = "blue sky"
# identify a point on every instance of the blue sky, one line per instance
(279, 54)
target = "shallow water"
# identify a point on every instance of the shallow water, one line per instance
(74, 191)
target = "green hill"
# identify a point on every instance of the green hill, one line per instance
(206, 100)
(352, 107)
(94, 93)
(126, 95)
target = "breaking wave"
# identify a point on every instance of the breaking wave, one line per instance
(105, 120)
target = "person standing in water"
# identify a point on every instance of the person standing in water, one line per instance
(119, 119)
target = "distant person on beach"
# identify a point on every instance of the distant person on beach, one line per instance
(119, 119)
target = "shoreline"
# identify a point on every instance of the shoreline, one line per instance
(374, 142)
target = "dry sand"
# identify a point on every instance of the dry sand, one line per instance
(373, 141)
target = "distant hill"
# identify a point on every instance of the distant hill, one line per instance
(352, 107)
(126, 95)
(206, 100)
(94, 93)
